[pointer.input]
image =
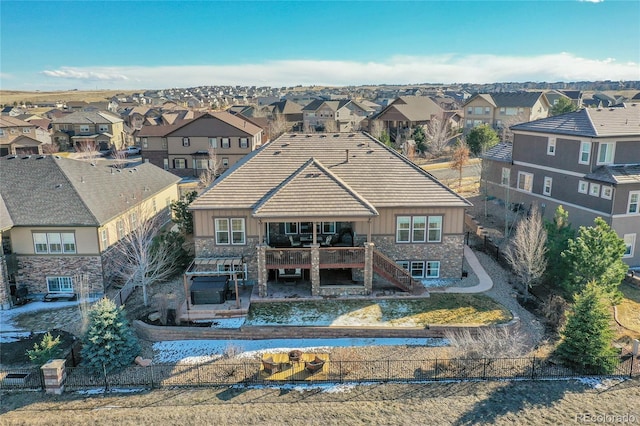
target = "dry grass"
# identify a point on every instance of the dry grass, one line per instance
(500, 403)
(629, 310)
(8, 97)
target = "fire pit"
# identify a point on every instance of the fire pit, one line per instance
(295, 355)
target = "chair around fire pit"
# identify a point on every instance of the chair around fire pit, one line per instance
(270, 366)
(314, 366)
(295, 356)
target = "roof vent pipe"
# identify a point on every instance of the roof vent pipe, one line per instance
(347, 153)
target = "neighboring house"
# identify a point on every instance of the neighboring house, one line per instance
(19, 137)
(342, 203)
(553, 96)
(334, 116)
(184, 148)
(102, 129)
(62, 217)
(290, 111)
(587, 161)
(502, 110)
(406, 113)
(574, 95)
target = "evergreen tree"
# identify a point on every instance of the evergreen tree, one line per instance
(385, 139)
(109, 342)
(559, 232)
(587, 336)
(564, 105)
(481, 138)
(181, 214)
(48, 348)
(596, 255)
(419, 137)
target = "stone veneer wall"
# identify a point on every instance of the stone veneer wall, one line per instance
(34, 270)
(5, 294)
(449, 252)
(206, 247)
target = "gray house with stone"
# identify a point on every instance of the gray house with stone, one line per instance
(334, 210)
(62, 217)
(588, 161)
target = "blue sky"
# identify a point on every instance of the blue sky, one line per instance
(154, 44)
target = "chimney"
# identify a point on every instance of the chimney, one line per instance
(347, 153)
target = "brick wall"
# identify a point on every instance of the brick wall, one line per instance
(34, 270)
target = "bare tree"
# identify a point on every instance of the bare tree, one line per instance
(459, 159)
(212, 171)
(84, 303)
(140, 256)
(119, 157)
(504, 131)
(89, 150)
(438, 133)
(50, 148)
(277, 125)
(526, 251)
(330, 126)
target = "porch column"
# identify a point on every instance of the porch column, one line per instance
(315, 269)
(262, 269)
(368, 267)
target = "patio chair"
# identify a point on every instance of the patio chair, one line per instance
(270, 366)
(314, 366)
(294, 243)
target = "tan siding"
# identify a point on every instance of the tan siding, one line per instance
(86, 239)
(203, 221)
(385, 224)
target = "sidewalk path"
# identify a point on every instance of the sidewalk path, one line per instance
(485, 282)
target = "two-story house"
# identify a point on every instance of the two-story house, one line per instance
(102, 129)
(588, 161)
(500, 110)
(316, 203)
(342, 115)
(18, 137)
(61, 218)
(408, 112)
(187, 147)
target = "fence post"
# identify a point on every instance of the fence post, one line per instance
(631, 367)
(152, 384)
(388, 369)
(340, 371)
(106, 381)
(198, 373)
(533, 368)
(484, 368)
(435, 370)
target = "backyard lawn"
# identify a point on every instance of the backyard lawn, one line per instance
(437, 310)
(629, 309)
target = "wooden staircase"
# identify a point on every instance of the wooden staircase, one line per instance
(396, 275)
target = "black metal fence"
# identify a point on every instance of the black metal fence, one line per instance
(229, 372)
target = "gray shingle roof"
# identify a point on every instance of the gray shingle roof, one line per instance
(55, 191)
(81, 117)
(616, 175)
(374, 172)
(414, 108)
(500, 152)
(589, 122)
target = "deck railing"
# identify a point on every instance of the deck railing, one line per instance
(330, 257)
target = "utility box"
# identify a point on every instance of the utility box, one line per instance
(209, 290)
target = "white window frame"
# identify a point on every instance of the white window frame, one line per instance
(630, 244)
(546, 187)
(505, 178)
(165, 163)
(244, 142)
(84, 128)
(417, 268)
(594, 189)
(607, 192)
(551, 146)
(633, 203)
(585, 149)
(60, 284)
(120, 229)
(164, 142)
(525, 178)
(291, 228)
(179, 163)
(434, 224)
(432, 265)
(213, 143)
(201, 163)
(230, 231)
(583, 187)
(225, 162)
(186, 141)
(609, 152)
(226, 143)
(403, 225)
(145, 142)
(55, 243)
(102, 128)
(104, 238)
(418, 229)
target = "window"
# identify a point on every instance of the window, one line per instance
(105, 128)
(154, 206)
(470, 110)
(213, 143)
(435, 229)
(225, 162)
(605, 152)
(104, 238)
(630, 243)
(403, 229)
(230, 231)
(403, 264)
(54, 242)
(525, 181)
(201, 163)
(84, 128)
(186, 142)
(417, 269)
(594, 189)
(634, 198)
(244, 143)
(120, 229)
(585, 152)
(145, 143)
(582, 187)
(433, 269)
(478, 110)
(546, 189)
(1, 133)
(551, 146)
(226, 143)
(291, 228)
(419, 225)
(26, 130)
(164, 143)
(60, 284)
(179, 163)
(328, 227)
(506, 176)
(165, 163)
(487, 111)
(607, 192)
(133, 220)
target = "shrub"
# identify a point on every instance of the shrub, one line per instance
(48, 348)
(502, 342)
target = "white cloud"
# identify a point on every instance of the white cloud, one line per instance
(590, 1)
(395, 70)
